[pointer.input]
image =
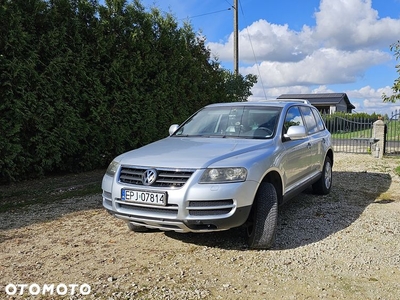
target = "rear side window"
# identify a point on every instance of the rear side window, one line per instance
(320, 122)
(309, 118)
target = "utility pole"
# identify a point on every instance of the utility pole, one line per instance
(235, 37)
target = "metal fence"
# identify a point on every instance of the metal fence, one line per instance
(392, 140)
(355, 134)
(350, 133)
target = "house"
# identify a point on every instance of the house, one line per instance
(327, 103)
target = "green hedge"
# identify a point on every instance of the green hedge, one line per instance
(81, 82)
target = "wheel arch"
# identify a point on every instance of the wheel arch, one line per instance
(275, 179)
(330, 155)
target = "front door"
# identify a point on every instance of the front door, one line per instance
(297, 154)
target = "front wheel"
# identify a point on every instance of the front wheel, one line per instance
(324, 184)
(263, 219)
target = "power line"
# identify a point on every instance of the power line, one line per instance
(251, 44)
(254, 54)
(206, 14)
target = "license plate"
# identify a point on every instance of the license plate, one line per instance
(144, 197)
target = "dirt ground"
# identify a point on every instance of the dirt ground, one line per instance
(345, 245)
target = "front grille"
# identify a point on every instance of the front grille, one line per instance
(210, 203)
(165, 177)
(211, 212)
(212, 208)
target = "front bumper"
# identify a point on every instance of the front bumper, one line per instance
(191, 208)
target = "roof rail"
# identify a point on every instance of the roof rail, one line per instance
(295, 100)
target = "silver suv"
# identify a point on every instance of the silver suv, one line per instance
(228, 165)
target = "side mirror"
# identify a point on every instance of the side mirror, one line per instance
(296, 133)
(173, 128)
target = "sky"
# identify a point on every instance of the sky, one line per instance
(308, 46)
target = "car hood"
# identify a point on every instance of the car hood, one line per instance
(174, 152)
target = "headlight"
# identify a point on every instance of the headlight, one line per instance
(220, 175)
(112, 168)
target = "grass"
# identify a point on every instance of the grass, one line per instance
(397, 170)
(49, 189)
(366, 133)
(393, 133)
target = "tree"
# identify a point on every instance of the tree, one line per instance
(396, 86)
(81, 82)
(238, 87)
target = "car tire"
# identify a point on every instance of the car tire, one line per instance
(137, 228)
(261, 230)
(324, 184)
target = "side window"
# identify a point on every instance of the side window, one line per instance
(309, 118)
(293, 118)
(320, 122)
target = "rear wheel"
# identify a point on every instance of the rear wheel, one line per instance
(137, 228)
(263, 219)
(324, 184)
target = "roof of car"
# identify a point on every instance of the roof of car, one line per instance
(275, 102)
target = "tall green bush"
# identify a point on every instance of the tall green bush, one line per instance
(82, 82)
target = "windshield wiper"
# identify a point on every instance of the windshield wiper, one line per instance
(189, 135)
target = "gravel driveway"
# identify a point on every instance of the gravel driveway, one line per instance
(345, 245)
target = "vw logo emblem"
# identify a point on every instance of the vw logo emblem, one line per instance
(149, 177)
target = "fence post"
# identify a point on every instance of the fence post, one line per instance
(377, 149)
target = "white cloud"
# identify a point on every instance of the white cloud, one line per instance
(347, 39)
(260, 93)
(368, 99)
(322, 89)
(340, 24)
(267, 42)
(369, 92)
(323, 66)
(351, 24)
(365, 99)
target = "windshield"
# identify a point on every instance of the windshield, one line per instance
(243, 122)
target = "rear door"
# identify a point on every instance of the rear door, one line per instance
(315, 130)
